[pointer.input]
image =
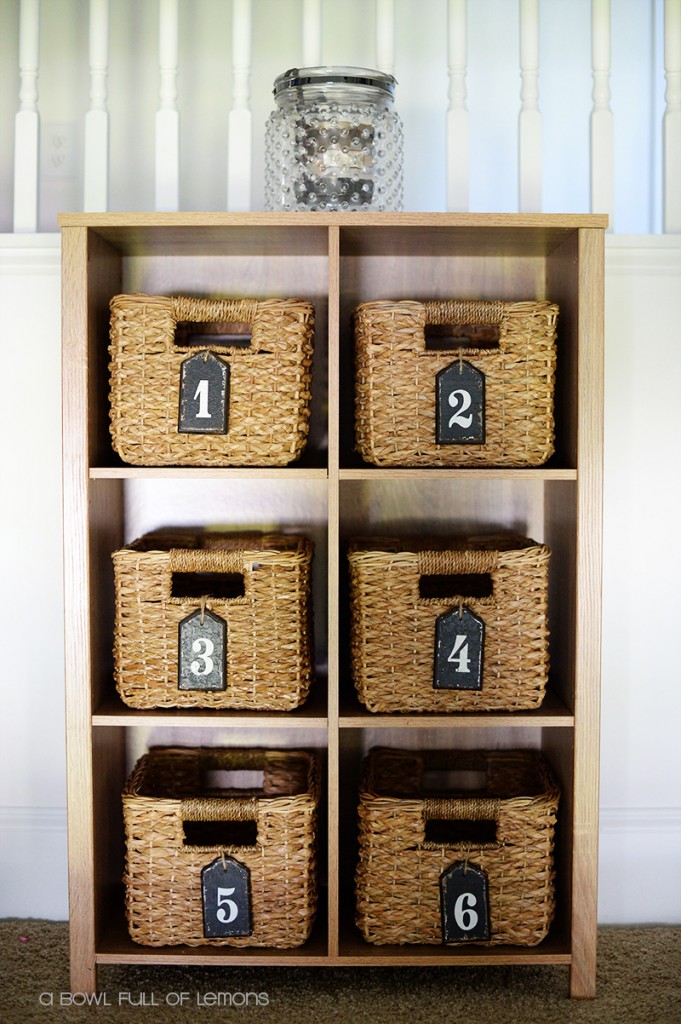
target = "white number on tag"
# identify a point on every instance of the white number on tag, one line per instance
(459, 655)
(464, 915)
(202, 394)
(204, 666)
(463, 400)
(223, 898)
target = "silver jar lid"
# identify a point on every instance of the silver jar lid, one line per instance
(294, 78)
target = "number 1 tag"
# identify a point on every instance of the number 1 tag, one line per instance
(202, 648)
(464, 903)
(460, 404)
(226, 899)
(204, 395)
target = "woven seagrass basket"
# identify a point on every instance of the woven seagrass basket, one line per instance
(404, 591)
(267, 394)
(397, 392)
(177, 823)
(254, 589)
(412, 833)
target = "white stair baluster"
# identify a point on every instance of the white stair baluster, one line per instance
(312, 33)
(239, 157)
(529, 121)
(27, 122)
(672, 117)
(167, 192)
(96, 155)
(385, 36)
(457, 127)
(602, 127)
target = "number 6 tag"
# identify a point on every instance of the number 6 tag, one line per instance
(226, 899)
(464, 903)
(460, 404)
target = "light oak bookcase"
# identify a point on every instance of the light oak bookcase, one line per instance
(336, 261)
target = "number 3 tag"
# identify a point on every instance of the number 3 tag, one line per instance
(202, 652)
(226, 899)
(460, 404)
(464, 902)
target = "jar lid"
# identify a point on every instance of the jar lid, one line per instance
(296, 77)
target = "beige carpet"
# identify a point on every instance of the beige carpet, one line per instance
(639, 982)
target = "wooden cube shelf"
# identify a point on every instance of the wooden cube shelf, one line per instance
(336, 261)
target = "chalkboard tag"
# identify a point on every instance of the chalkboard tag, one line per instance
(459, 648)
(460, 404)
(202, 646)
(204, 395)
(464, 903)
(226, 899)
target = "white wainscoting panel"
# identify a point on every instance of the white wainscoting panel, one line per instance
(640, 752)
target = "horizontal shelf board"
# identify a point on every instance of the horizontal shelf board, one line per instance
(552, 713)
(361, 954)
(116, 947)
(373, 234)
(187, 472)
(410, 473)
(312, 715)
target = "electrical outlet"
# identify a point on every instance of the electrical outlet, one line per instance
(58, 150)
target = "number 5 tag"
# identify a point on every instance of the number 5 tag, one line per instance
(226, 899)
(460, 404)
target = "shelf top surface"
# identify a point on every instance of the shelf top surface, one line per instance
(307, 234)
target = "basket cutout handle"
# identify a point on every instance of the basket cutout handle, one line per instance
(213, 323)
(459, 821)
(457, 576)
(462, 324)
(466, 561)
(198, 573)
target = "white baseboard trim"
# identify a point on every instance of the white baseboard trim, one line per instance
(627, 836)
(28, 834)
(639, 876)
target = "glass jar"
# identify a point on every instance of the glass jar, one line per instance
(333, 142)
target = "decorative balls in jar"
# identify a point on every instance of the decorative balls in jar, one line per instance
(333, 141)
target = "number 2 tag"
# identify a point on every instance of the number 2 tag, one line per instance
(460, 404)
(464, 902)
(226, 899)
(204, 395)
(202, 648)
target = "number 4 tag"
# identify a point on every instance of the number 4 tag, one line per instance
(459, 647)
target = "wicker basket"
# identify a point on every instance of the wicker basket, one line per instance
(268, 660)
(269, 380)
(396, 388)
(411, 833)
(269, 830)
(394, 625)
